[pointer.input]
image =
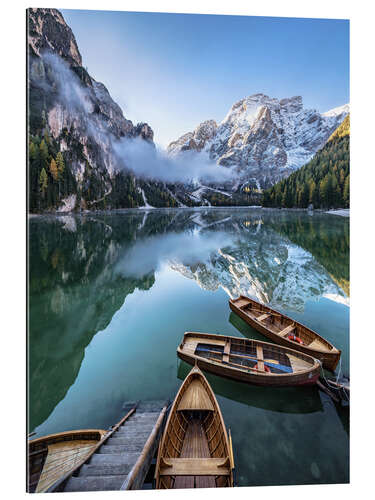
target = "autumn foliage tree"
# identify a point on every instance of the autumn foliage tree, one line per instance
(53, 169)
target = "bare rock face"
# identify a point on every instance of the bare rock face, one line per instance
(263, 139)
(144, 131)
(196, 140)
(77, 111)
(48, 31)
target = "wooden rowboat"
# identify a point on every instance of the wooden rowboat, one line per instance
(248, 360)
(53, 456)
(195, 451)
(285, 331)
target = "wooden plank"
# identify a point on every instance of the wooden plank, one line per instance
(62, 457)
(194, 467)
(296, 363)
(60, 483)
(136, 476)
(226, 351)
(288, 329)
(195, 398)
(317, 344)
(241, 302)
(260, 357)
(263, 317)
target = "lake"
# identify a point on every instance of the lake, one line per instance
(110, 296)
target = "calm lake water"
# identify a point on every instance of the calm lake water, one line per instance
(112, 295)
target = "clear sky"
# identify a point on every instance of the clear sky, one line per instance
(176, 70)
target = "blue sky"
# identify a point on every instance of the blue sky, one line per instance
(176, 70)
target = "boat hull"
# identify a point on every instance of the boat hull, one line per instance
(195, 451)
(328, 360)
(309, 377)
(52, 456)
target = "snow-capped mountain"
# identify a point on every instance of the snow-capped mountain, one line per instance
(263, 139)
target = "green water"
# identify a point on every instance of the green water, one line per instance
(111, 296)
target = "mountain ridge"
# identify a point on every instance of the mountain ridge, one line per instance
(262, 139)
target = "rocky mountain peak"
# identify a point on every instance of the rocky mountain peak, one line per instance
(263, 138)
(49, 31)
(292, 104)
(196, 140)
(144, 131)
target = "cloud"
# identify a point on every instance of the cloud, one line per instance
(69, 87)
(135, 154)
(146, 161)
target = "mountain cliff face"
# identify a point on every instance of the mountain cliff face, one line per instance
(73, 116)
(262, 139)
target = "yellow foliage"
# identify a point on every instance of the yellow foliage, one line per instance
(53, 169)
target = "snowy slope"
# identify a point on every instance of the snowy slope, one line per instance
(261, 138)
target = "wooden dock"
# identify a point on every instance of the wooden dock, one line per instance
(123, 457)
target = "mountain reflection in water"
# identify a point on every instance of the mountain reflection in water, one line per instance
(105, 288)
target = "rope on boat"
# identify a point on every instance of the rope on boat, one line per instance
(334, 387)
(338, 375)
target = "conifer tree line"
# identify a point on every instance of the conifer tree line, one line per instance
(323, 182)
(49, 178)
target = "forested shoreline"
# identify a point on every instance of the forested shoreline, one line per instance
(324, 182)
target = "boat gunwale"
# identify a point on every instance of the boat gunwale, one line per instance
(59, 436)
(314, 366)
(333, 351)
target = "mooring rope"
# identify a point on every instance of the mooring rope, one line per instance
(329, 383)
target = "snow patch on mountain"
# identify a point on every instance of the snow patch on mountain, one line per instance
(262, 138)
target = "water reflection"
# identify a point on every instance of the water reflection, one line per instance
(83, 269)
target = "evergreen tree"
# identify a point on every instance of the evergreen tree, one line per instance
(32, 151)
(60, 163)
(43, 181)
(346, 191)
(312, 193)
(43, 150)
(47, 138)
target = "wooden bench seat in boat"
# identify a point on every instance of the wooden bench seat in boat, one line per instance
(195, 398)
(316, 344)
(241, 302)
(263, 317)
(194, 467)
(260, 357)
(287, 330)
(226, 352)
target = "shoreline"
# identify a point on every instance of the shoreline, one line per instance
(342, 212)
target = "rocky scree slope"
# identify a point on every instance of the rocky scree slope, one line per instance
(263, 139)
